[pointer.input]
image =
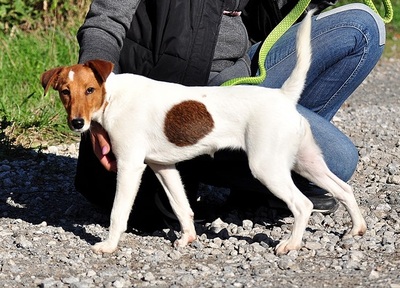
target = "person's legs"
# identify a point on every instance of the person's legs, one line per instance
(347, 42)
(339, 151)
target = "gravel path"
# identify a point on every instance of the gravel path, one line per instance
(46, 229)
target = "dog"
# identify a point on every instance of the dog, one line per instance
(159, 124)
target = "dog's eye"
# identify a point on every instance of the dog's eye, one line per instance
(89, 90)
(65, 92)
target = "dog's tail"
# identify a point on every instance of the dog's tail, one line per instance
(294, 85)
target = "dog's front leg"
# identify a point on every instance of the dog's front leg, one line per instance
(171, 181)
(128, 181)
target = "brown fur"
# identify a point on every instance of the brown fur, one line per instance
(187, 122)
(88, 90)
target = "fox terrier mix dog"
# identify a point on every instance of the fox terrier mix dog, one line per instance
(159, 124)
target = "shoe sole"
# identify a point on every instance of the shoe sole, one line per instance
(282, 206)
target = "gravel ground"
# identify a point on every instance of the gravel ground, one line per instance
(46, 229)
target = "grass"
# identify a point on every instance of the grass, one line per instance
(25, 113)
(392, 48)
(32, 120)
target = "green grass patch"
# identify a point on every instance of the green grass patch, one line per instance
(23, 107)
(29, 118)
(392, 48)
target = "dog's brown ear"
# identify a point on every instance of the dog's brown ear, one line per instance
(101, 68)
(48, 78)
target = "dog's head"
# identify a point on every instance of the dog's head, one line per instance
(81, 89)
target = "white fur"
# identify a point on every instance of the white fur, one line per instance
(71, 75)
(263, 122)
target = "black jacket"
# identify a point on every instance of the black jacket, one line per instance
(174, 40)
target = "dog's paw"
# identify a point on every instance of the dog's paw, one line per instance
(359, 231)
(285, 246)
(185, 240)
(104, 247)
(356, 230)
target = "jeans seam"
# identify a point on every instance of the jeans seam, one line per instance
(357, 68)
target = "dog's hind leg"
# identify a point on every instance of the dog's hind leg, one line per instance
(311, 165)
(274, 173)
(171, 181)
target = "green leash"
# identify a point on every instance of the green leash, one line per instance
(282, 27)
(388, 9)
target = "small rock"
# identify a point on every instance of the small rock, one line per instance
(313, 245)
(120, 283)
(53, 149)
(149, 277)
(217, 225)
(374, 275)
(285, 262)
(247, 224)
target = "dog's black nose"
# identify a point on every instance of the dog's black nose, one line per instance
(77, 123)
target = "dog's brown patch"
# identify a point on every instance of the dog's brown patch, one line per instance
(187, 122)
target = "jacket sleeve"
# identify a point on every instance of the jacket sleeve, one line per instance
(103, 32)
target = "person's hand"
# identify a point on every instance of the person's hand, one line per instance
(102, 147)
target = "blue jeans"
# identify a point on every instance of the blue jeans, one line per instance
(347, 42)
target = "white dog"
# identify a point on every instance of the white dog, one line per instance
(159, 124)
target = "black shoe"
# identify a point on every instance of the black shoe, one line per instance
(323, 203)
(258, 195)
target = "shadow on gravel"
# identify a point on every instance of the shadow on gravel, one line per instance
(38, 188)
